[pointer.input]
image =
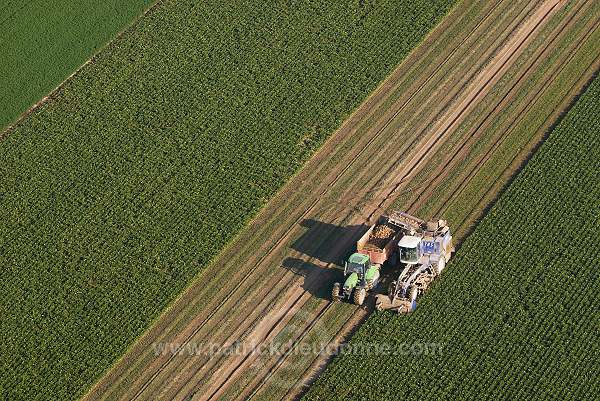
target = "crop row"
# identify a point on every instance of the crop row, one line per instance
(515, 315)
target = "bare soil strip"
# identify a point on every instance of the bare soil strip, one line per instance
(362, 313)
(442, 172)
(261, 298)
(141, 353)
(345, 246)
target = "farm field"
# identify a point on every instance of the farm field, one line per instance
(43, 42)
(118, 190)
(461, 113)
(517, 311)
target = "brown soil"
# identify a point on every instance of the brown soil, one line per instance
(251, 300)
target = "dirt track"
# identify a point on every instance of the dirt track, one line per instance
(277, 271)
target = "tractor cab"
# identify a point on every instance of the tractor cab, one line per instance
(357, 263)
(410, 249)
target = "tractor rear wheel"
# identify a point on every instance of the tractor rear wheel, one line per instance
(359, 296)
(335, 292)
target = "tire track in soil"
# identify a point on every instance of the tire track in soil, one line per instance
(444, 170)
(479, 87)
(425, 115)
(528, 105)
(362, 313)
(421, 86)
(203, 368)
(521, 157)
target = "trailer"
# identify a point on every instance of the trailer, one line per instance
(380, 242)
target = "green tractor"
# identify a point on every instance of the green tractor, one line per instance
(360, 276)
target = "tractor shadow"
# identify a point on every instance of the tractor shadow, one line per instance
(318, 280)
(326, 244)
(325, 241)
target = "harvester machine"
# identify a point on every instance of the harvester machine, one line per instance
(424, 251)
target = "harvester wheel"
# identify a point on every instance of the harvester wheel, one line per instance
(335, 292)
(413, 293)
(392, 289)
(440, 265)
(360, 295)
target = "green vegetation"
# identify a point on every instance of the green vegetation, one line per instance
(43, 42)
(116, 193)
(516, 312)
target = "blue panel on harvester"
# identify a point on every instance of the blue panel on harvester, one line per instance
(430, 246)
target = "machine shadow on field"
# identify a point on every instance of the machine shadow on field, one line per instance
(329, 244)
(323, 240)
(317, 279)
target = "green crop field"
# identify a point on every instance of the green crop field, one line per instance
(515, 316)
(118, 191)
(43, 42)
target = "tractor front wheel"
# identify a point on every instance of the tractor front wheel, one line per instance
(359, 296)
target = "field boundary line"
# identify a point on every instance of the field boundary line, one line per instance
(513, 46)
(55, 93)
(359, 315)
(322, 146)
